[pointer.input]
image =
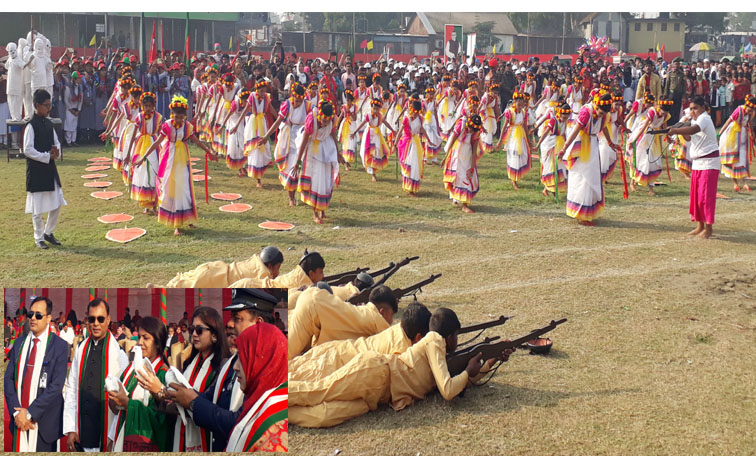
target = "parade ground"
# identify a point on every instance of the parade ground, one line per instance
(656, 357)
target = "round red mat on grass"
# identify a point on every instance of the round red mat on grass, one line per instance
(115, 218)
(99, 159)
(97, 168)
(226, 196)
(236, 207)
(98, 184)
(124, 235)
(721, 196)
(197, 171)
(200, 177)
(106, 195)
(276, 226)
(94, 176)
(194, 159)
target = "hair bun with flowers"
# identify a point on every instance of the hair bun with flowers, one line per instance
(648, 97)
(474, 99)
(348, 92)
(517, 95)
(474, 123)
(178, 102)
(376, 76)
(617, 97)
(244, 94)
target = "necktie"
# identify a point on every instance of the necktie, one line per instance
(29, 370)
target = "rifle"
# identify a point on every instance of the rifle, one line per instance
(335, 277)
(363, 296)
(664, 131)
(410, 290)
(457, 362)
(481, 327)
(348, 277)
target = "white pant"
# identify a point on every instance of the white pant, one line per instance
(70, 136)
(15, 103)
(28, 101)
(40, 228)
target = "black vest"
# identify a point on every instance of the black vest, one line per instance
(41, 177)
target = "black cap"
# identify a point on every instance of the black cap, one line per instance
(366, 278)
(252, 299)
(271, 255)
(324, 286)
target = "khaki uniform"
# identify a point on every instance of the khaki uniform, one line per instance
(654, 87)
(342, 292)
(323, 360)
(371, 378)
(219, 274)
(675, 82)
(293, 279)
(320, 317)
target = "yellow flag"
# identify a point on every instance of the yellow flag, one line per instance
(494, 50)
(370, 45)
(230, 43)
(93, 41)
(657, 47)
(511, 48)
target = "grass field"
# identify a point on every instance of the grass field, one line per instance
(657, 356)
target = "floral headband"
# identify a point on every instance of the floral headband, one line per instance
(244, 94)
(749, 102)
(649, 97)
(472, 83)
(178, 102)
(447, 77)
(666, 102)
(361, 77)
(493, 87)
(517, 95)
(147, 95)
(135, 89)
(563, 112)
(348, 92)
(401, 86)
(261, 84)
(322, 118)
(376, 76)
(376, 103)
(313, 84)
(430, 90)
(414, 111)
(599, 102)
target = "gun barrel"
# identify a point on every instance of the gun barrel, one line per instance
(485, 325)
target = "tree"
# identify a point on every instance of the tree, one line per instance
(714, 20)
(338, 22)
(314, 21)
(484, 34)
(740, 22)
(549, 24)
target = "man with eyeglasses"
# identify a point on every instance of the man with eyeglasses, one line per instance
(34, 383)
(218, 408)
(86, 416)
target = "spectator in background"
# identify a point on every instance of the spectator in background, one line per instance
(135, 319)
(127, 318)
(741, 89)
(67, 333)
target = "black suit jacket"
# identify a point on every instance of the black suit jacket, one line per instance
(47, 408)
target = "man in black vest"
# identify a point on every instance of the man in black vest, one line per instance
(43, 192)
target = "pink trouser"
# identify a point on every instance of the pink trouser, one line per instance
(703, 195)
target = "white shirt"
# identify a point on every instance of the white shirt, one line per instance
(15, 69)
(703, 143)
(68, 335)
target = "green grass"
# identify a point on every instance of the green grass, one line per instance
(657, 356)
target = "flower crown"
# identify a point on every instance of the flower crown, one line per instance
(430, 90)
(312, 84)
(531, 76)
(135, 89)
(348, 92)
(472, 83)
(361, 77)
(146, 95)
(178, 102)
(578, 79)
(244, 94)
(563, 112)
(749, 102)
(648, 97)
(322, 118)
(617, 97)
(376, 76)
(472, 125)
(666, 102)
(414, 111)
(493, 87)
(293, 94)
(376, 102)
(261, 84)
(446, 77)
(127, 80)
(212, 70)
(325, 90)
(599, 102)
(401, 86)
(517, 95)
(473, 100)
(605, 86)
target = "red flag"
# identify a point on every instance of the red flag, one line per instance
(187, 51)
(162, 40)
(153, 45)
(238, 43)
(363, 45)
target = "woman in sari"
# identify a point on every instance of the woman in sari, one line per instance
(141, 427)
(262, 370)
